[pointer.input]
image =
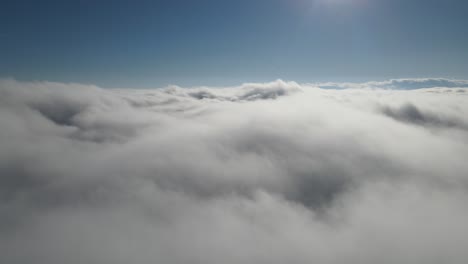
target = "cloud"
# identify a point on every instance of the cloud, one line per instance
(275, 172)
(399, 84)
(411, 114)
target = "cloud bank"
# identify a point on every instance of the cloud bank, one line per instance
(399, 84)
(261, 173)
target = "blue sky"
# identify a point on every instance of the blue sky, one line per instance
(215, 42)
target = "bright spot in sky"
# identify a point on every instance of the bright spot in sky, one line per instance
(339, 2)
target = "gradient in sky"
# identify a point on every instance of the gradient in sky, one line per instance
(213, 42)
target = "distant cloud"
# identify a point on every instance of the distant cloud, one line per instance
(275, 172)
(399, 84)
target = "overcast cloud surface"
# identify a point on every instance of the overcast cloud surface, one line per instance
(261, 173)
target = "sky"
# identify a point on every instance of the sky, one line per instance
(215, 42)
(282, 131)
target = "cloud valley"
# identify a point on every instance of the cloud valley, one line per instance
(275, 172)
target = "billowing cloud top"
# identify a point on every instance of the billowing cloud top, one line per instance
(261, 173)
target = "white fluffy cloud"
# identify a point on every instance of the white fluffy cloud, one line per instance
(261, 173)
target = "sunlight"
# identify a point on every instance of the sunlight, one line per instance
(340, 2)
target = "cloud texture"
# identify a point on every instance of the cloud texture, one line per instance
(261, 173)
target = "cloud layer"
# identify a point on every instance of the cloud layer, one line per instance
(399, 84)
(261, 173)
